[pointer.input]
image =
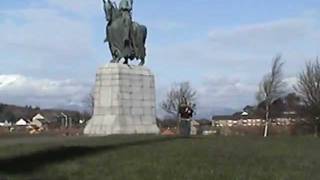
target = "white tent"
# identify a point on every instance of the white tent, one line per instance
(21, 122)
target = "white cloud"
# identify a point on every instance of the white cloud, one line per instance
(45, 41)
(218, 92)
(280, 36)
(240, 47)
(227, 65)
(291, 82)
(80, 7)
(165, 25)
(22, 90)
(45, 35)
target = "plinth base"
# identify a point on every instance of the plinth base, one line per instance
(124, 102)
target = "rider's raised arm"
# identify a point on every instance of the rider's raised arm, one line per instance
(115, 5)
(105, 8)
(131, 4)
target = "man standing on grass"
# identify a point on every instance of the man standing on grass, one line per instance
(185, 117)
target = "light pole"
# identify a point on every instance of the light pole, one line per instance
(65, 119)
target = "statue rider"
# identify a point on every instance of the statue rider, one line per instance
(124, 12)
(125, 8)
(107, 6)
(126, 38)
(126, 5)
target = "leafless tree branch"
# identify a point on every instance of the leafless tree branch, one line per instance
(308, 87)
(271, 88)
(175, 97)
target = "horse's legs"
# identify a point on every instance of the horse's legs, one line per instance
(126, 61)
(113, 53)
(116, 57)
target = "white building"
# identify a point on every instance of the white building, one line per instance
(5, 124)
(38, 120)
(193, 128)
(39, 117)
(21, 122)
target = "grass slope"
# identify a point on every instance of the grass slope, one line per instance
(152, 157)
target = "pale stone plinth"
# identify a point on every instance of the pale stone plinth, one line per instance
(124, 101)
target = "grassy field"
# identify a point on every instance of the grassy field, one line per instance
(153, 157)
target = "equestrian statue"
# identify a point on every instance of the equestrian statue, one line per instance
(125, 37)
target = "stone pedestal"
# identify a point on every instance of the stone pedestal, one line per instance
(124, 101)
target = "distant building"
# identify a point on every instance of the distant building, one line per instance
(244, 114)
(194, 126)
(223, 121)
(5, 124)
(21, 122)
(287, 118)
(168, 131)
(38, 121)
(38, 117)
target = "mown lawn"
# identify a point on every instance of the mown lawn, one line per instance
(154, 157)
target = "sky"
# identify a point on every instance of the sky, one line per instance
(50, 50)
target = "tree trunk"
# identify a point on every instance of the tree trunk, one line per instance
(178, 125)
(316, 130)
(266, 127)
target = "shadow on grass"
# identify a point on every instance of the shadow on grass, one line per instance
(28, 163)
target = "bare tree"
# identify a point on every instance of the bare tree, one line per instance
(308, 86)
(175, 97)
(271, 88)
(89, 103)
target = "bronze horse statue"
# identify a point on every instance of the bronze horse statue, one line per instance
(126, 38)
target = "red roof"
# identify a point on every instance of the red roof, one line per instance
(168, 132)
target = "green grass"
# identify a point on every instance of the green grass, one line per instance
(153, 157)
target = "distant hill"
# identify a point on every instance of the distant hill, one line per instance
(207, 113)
